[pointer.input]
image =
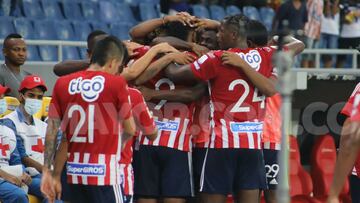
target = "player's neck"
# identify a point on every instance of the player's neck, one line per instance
(95, 67)
(241, 45)
(14, 68)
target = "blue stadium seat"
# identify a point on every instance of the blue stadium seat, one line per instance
(90, 10)
(108, 12)
(148, 11)
(24, 27)
(1, 55)
(83, 52)
(125, 13)
(7, 27)
(52, 10)
(217, 12)
(121, 30)
(72, 10)
(32, 9)
(200, 11)
(100, 26)
(132, 2)
(267, 15)
(251, 12)
(46, 31)
(64, 31)
(232, 10)
(82, 29)
(151, 1)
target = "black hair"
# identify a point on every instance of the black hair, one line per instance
(12, 36)
(109, 48)
(90, 39)
(237, 23)
(257, 33)
(178, 30)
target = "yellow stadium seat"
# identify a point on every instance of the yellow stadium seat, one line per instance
(33, 199)
(43, 112)
(12, 103)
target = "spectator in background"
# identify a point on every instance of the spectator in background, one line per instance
(350, 29)
(330, 29)
(15, 53)
(312, 30)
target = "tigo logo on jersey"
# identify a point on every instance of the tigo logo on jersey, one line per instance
(85, 169)
(88, 88)
(245, 127)
(253, 58)
(167, 125)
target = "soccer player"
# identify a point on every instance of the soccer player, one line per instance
(348, 155)
(93, 111)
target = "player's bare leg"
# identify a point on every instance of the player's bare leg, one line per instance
(270, 196)
(247, 196)
(146, 200)
(174, 200)
(212, 198)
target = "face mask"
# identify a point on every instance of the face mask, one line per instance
(3, 106)
(32, 106)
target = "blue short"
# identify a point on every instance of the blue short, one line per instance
(162, 172)
(96, 194)
(272, 168)
(227, 171)
(198, 156)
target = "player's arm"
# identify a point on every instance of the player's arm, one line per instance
(60, 160)
(265, 85)
(181, 75)
(160, 64)
(293, 45)
(138, 67)
(70, 66)
(178, 95)
(182, 45)
(348, 151)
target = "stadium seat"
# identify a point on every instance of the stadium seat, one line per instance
(83, 52)
(72, 10)
(133, 3)
(323, 166)
(200, 11)
(125, 13)
(33, 199)
(232, 10)
(300, 180)
(25, 28)
(120, 30)
(43, 112)
(90, 10)
(12, 103)
(32, 10)
(46, 31)
(82, 29)
(108, 12)
(7, 27)
(1, 55)
(251, 12)
(52, 10)
(147, 11)
(217, 12)
(64, 31)
(267, 15)
(100, 26)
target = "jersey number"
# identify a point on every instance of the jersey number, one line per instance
(90, 116)
(256, 98)
(157, 87)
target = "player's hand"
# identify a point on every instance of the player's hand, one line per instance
(185, 18)
(182, 58)
(146, 92)
(332, 199)
(26, 178)
(199, 50)
(13, 179)
(57, 187)
(206, 24)
(232, 59)
(47, 185)
(164, 48)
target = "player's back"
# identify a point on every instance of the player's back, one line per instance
(92, 105)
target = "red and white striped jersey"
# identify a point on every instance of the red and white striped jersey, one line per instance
(127, 178)
(92, 109)
(173, 119)
(201, 123)
(352, 110)
(237, 107)
(272, 123)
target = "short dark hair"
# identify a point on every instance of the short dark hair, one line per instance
(91, 37)
(178, 30)
(12, 36)
(257, 33)
(109, 48)
(237, 23)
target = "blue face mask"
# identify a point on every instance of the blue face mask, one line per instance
(32, 106)
(3, 106)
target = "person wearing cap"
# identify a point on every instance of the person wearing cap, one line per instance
(13, 179)
(15, 54)
(30, 131)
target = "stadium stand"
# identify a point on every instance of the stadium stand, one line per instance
(147, 11)
(125, 13)
(200, 11)
(251, 12)
(90, 10)
(217, 12)
(45, 30)
(120, 30)
(108, 12)
(267, 14)
(64, 31)
(32, 10)
(232, 10)
(52, 10)
(72, 10)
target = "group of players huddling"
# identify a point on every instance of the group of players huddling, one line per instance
(198, 137)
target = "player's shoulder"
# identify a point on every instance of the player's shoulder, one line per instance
(266, 49)
(135, 95)
(212, 55)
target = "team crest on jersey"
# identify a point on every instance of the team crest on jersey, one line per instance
(89, 89)
(253, 58)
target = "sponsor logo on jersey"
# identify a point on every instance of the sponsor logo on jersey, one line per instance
(167, 125)
(89, 89)
(245, 127)
(253, 58)
(85, 169)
